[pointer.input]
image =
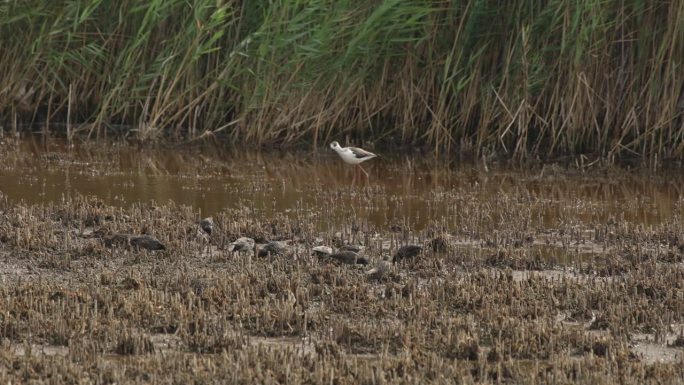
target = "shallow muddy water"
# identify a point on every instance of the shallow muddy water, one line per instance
(534, 274)
(408, 191)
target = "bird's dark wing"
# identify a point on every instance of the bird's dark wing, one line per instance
(408, 251)
(360, 153)
(348, 257)
(147, 242)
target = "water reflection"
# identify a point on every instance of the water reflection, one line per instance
(399, 189)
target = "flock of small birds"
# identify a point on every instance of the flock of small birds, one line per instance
(345, 254)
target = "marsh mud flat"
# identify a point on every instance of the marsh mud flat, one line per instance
(542, 276)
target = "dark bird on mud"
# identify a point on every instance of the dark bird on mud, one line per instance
(146, 242)
(348, 247)
(406, 252)
(207, 225)
(242, 244)
(273, 248)
(349, 257)
(138, 241)
(439, 244)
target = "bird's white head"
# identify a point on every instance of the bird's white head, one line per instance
(334, 145)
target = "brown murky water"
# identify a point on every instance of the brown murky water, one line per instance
(400, 190)
(564, 269)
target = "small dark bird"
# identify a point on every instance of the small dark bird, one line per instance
(353, 248)
(198, 286)
(120, 240)
(272, 248)
(207, 225)
(439, 244)
(349, 257)
(138, 241)
(406, 252)
(146, 242)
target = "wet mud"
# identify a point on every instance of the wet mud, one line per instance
(539, 276)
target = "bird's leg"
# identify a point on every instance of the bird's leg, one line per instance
(364, 171)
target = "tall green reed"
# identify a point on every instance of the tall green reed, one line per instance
(519, 78)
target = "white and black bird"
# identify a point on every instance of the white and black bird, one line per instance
(353, 155)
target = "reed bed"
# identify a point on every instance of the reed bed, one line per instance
(518, 79)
